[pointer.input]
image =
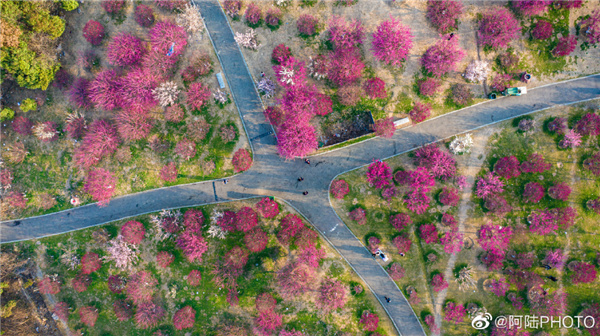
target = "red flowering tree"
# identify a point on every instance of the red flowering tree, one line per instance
(61, 309)
(535, 164)
(90, 262)
(148, 315)
(442, 57)
(106, 90)
(236, 258)
(498, 27)
(265, 302)
(280, 54)
(385, 127)
(168, 172)
(15, 200)
(489, 184)
(184, 318)
(429, 233)
(133, 125)
(345, 68)
(256, 240)
(419, 112)
(322, 104)
(396, 271)
(166, 38)
(400, 221)
(22, 125)
(507, 167)
(558, 125)
(530, 7)
(429, 86)
(565, 46)
(438, 283)
(253, 15)
(339, 189)
(137, 87)
(449, 196)
(369, 320)
(373, 244)
(267, 207)
(392, 41)
(116, 283)
(81, 282)
(290, 225)
(242, 160)
(144, 15)
(296, 140)
(100, 141)
(140, 287)
(494, 239)
(430, 321)
(452, 241)
(274, 115)
(268, 321)
(559, 191)
(589, 124)
(375, 88)
(246, 219)
(590, 28)
(501, 82)
(93, 32)
(499, 287)
(133, 232)
(79, 93)
(227, 221)
(88, 315)
(444, 14)
(542, 31)
(164, 259)
(593, 311)
(295, 279)
(185, 149)
(448, 220)
(454, 312)
(123, 310)
(583, 273)
(307, 25)
(533, 192)
(345, 35)
(592, 164)
(113, 6)
(273, 18)
(198, 95)
(332, 295)
(379, 174)
(75, 125)
(594, 205)
(192, 244)
(439, 163)
(359, 216)
(159, 64)
(125, 49)
(100, 184)
(49, 286)
(194, 278)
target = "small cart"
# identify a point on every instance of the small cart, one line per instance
(515, 91)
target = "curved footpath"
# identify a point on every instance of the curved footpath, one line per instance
(272, 176)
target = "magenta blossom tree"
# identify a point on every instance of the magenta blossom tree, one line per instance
(444, 14)
(402, 243)
(369, 321)
(267, 208)
(559, 191)
(290, 72)
(256, 240)
(439, 163)
(345, 67)
(166, 38)
(583, 273)
(507, 167)
(296, 140)
(449, 196)
(535, 164)
(542, 31)
(400, 221)
(307, 25)
(392, 41)
(566, 45)
(454, 312)
(106, 90)
(133, 125)
(193, 245)
(339, 189)
(498, 27)
(253, 15)
(442, 57)
(385, 127)
(429, 233)
(198, 95)
(533, 192)
(592, 164)
(438, 283)
(100, 184)
(359, 216)
(375, 88)
(429, 86)
(79, 93)
(530, 7)
(288, 228)
(590, 28)
(452, 241)
(93, 32)
(246, 219)
(589, 124)
(499, 287)
(242, 160)
(420, 112)
(125, 49)
(345, 35)
(379, 174)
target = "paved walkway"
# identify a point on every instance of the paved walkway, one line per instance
(272, 176)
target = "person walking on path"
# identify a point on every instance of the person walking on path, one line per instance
(305, 193)
(300, 179)
(262, 74)
(387, 299)
(307, 161)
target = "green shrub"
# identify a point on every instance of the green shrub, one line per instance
(42, 21)
(69, 5)
(28, 105)
(6, 114)
(30, 71)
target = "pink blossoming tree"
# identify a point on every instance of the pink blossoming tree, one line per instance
(392, 41)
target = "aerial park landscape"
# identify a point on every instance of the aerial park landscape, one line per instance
(300, 167)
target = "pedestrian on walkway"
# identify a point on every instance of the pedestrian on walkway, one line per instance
(451, 36)
(307, 161)
(262, 74)
(401, 254)
(305, 193)
(300, 179)
(387, 299)
(225, 181)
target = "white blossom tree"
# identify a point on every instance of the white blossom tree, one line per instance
(166, 93)
(477, 71)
